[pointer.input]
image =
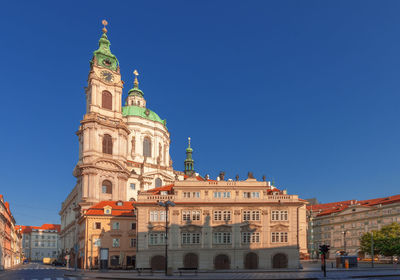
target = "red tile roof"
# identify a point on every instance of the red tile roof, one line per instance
(126, 209)
(333, 207)
(28, 229)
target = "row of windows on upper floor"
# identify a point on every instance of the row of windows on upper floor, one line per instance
(220, 215)
(115, 225)
(106, 186)
(219, 194)
(158, 238)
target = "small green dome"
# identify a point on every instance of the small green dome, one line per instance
(135, 91)
(143, 113)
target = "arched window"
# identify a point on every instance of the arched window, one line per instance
(158, 182)
(107, 144)
(106, 100)
(147, 147)
(106, 187)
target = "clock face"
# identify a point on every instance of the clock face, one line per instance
(107, 76)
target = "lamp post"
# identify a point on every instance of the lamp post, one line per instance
(166, 205)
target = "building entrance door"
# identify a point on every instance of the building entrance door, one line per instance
(157, 262)
(251, 261)
(280, 261)
(222, 262)
(191, 261)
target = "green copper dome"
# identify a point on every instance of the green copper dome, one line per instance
(143, 113)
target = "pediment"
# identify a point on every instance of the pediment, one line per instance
(190, 228)
(280, 227)
(156, 227)
(250, 227)
(222, 228)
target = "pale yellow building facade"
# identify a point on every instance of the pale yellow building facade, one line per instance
(108, 226)
(221, 225)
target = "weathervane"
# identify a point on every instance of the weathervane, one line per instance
(105, 23)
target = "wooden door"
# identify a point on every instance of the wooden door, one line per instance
(280, 261)
(251, 261)
(191, 261)
(222, 262)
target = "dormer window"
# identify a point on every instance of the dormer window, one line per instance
(164, 192)
(120, 203)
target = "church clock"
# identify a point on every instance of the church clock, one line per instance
(107, 76)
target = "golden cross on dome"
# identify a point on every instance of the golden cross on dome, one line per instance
(136, 73)
(105, 23)
(189, 141)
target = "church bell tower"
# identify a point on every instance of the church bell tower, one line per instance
(101, 171)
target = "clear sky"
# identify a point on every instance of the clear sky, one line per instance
(305, 92)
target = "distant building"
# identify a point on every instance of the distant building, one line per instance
(340, 224)
(40, 242)
(10, 238)
(110, 227)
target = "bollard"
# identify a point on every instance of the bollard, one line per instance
(346, 264)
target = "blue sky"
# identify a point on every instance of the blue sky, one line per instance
(305, 92)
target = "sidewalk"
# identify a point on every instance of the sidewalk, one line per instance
(244, 274)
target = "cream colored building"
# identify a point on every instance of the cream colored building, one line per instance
(123, 149)
(340, 224)
(109, 226)
(221, 225)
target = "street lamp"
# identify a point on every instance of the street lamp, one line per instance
(166, 204)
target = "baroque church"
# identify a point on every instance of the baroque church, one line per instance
(123, 147)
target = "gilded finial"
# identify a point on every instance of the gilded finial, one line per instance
(105, 23)
(136, 82)
(189, 141)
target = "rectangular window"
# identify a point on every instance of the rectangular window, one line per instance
(190, 238)
(133, 226)
(255, 215)
(186, 194)
(115, 243)
(246, 195)
(279, 215)
(196, 194)
(222, 237)
(156, 238)
(279, 237)
(255, 195)
(115, 225)
(250, 237)
(218, 215)
(153, 216)
(133, 242)
(217, 195)
(133, 186)
(196, 215)
(227, 215)
(185, 215)
(246, 215)
(97, 225)
(227, 194)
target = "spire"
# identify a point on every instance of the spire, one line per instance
(135, 90)
(189, 162)
(103, 56)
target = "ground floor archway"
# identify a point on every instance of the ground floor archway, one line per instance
(157, 262)
(279, 261)
(251, 261)
(222, 262)
(191, 260)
